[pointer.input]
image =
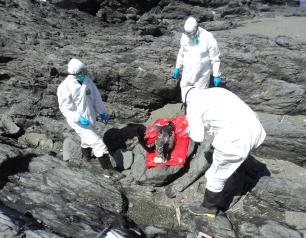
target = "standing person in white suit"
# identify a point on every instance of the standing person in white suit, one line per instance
(198, 57)
(80, 101)
(236, 131)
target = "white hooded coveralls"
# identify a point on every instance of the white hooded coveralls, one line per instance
(84, 100)
(234, 125)
(198, 60)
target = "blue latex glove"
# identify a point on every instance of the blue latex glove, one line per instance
(217, 81)
(104, 118)
(83, 121)
(175, 73)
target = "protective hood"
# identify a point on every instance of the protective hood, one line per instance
(191, 26)
(75, 66)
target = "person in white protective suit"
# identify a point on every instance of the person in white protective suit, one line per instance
(236, 132)
(80, 101)
(198, 56)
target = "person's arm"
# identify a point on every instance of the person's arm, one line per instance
(195, 124)
(214, 55)
(180, 55)
(65, 103)
(99, 105)
(179, 61)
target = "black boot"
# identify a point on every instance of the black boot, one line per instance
(209, 206)
(86, 153)
(105, 162)
(108, 170)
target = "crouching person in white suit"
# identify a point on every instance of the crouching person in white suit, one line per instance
(236, 131)
(80, 101)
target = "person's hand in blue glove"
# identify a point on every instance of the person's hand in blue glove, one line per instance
(83, 121)
(104, 118)
(175, 73)
(217, 81)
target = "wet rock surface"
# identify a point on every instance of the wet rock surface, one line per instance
(130, 49)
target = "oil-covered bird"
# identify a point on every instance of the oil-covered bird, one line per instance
(165, 141)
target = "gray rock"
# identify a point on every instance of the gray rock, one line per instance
(71, 149)
(9, 126)
(36, 140)
(14, 224)
(197, 167)
(295, 219)
(290, 192)
(220, 227)
(269, 229)
(286, 207)
(7, 227)
(68, 200)
(131, 64)
(123, 159)
(284, 132)
(9, 149)
(40, 234)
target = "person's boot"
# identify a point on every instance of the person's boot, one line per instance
(209, 207)
(108, 169)
(86, 153)
(105, 162)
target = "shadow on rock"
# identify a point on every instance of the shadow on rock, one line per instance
(242, 181)
(13, 166)
(125, 138)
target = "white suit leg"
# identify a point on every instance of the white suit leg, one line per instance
(222, 167)
(89, 138)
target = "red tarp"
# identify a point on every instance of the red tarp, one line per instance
(178, 154)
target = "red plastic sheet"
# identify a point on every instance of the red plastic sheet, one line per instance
(178, 154)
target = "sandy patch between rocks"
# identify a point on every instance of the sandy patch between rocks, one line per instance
(294, 27)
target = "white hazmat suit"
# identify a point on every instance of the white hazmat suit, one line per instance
(234, 125)
(77, 99)
(197, 57)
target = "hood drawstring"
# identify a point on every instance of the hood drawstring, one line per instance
(184, 104)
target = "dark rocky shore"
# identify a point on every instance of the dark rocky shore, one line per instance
(130, 48)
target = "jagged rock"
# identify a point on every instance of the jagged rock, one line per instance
(9, 149)
(220, 227)
(290, 193)
(266, 84)
(284, 132)
(14, 224)
(269, 228)
(288, 180)
(66, 200)
(9, 126)
(36, 140)
(131, 64)
(197, 167)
